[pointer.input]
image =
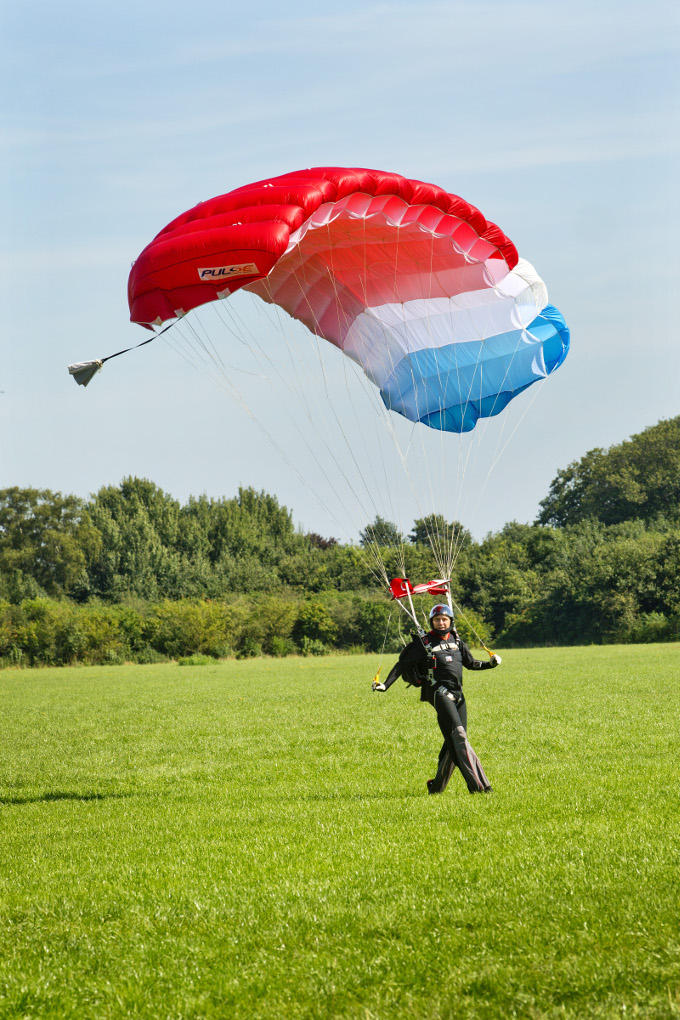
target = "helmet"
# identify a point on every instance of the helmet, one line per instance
(441, 610)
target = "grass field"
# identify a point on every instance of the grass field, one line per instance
(254, 839)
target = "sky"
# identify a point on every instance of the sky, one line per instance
(559, 121)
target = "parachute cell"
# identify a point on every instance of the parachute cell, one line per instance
(412, 283)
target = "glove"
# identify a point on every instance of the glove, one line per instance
(496, 659)
(378, 687)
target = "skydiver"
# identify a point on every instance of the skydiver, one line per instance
(434, 662)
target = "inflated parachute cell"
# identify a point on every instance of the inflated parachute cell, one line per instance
(412, 283)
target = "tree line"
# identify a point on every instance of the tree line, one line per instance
(115, 576)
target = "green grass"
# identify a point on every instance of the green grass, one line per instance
(254, 839)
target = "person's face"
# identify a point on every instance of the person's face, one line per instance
(441, 622)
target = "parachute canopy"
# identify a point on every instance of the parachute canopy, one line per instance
(412, 283)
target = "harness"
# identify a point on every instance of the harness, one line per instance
(427, 645)
(431, 659)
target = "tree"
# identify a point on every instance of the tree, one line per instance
(639, 478)
(318, 542)
(436, 531)
(496, 580)
(381, 532)
(139, 524)
(47, 537)
(155, 548)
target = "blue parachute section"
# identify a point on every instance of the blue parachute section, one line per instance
(450, 387)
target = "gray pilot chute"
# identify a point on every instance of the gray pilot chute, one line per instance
(83, 371)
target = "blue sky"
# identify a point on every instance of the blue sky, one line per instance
(559, 121)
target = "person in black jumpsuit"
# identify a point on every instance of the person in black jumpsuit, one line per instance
(435, 663)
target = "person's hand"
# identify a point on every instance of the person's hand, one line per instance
(496, 659)
(378, 687)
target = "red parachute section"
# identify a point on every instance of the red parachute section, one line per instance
(236, 239)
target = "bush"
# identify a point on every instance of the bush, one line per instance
(195, 660)
(187, 627)
(651, 627)
(147, 656)
(281, 646)
(249, 648)
(96, 636)
(311, 646)
(372, 624)
(314, 623)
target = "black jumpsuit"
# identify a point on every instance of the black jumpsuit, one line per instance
(435, 664)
